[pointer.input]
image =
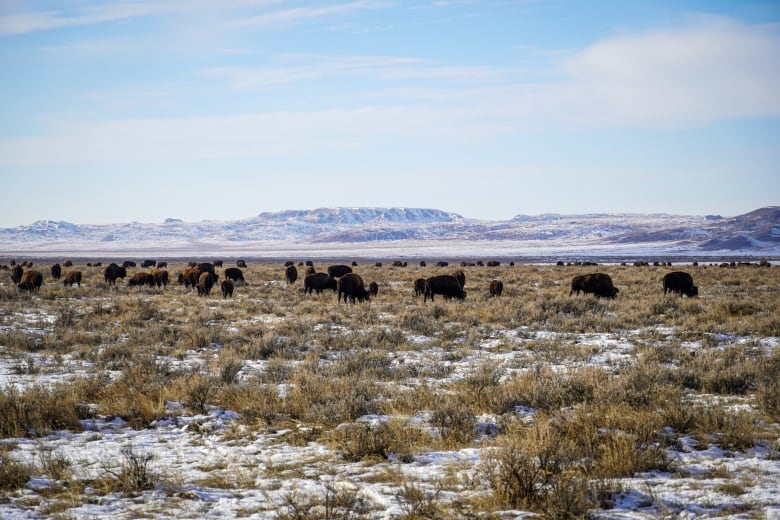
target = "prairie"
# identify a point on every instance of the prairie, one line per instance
(273, 403)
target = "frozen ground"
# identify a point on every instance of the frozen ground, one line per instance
(213, 467)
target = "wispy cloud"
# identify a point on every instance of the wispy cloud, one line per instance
(47, 20)
(304, 14)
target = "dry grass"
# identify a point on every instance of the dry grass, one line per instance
(397, 356)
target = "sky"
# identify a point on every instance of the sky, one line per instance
(120, 111)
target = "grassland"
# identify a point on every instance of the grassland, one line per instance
(550, 404)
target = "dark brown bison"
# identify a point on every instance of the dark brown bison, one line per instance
(217, 263)
(56, 271)
(351, 285)
(227, 288)
(442, 264)
(493, 263)
(318, 282)
(681, 283)
(142, 278)
(290, 274)
(31, 281)
(161, 277)
(496, 288)
(309, 270)
(148, 263)
(128, 263)
(337, 271)
(112, 272)
(241, 263)
(16, 274)
(206, 267)
(67, 263)
(235, 274)
(160, 265)
(72, 277)
(206, 282)
(419, 286)
(444, 284)
(373, 289)
(599, 284)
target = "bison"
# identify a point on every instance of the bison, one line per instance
(148, 263)
(112, 272)
(444, 284)
(681, 283)
(337, 271)
(351, 285)
(227, 288)
(235, 274)
(161, 277)
(189, 277)
(72, 277)
(599, 284)
(290, 274)
(493, 263)
(419, 286)
(241, 263)
(206, 281)
(318, 282)
(31, 281)
(142, 278)
(56, 271)
(496, 288)
(373, 289)
(16, 274)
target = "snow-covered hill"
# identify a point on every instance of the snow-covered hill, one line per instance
(403, 229)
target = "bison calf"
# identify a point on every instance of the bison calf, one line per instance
(227, 288)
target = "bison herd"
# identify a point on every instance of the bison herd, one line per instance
(339, 278)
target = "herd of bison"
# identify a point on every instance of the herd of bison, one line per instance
(340, 278)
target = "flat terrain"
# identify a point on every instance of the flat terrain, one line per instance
(159, 403)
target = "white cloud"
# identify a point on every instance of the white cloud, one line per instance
(302, 14)
(715, 69)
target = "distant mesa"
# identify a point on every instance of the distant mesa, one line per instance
(173, 221)
(713, 217)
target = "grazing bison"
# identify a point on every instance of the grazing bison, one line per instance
(351, 285)
(442, 264)
(318, 282)
(227, 288)
(373, 289)
(217, 263)
(160, 265)
(148, 263)
(681, 283)
(161, 277)
(112, 272)
(496, 288)
(206, 281)
(128, 263)
(189, 277)
(290, 274)
(72, 277)
(444, 284)
(16, 274)
(241, 263)
(599, 284)
(235, 274)
(337, 271)
(142, 278)
(31, 281)
(419, 286)
(493, 263)
(56, 271)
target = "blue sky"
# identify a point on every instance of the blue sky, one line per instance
(123, 111)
